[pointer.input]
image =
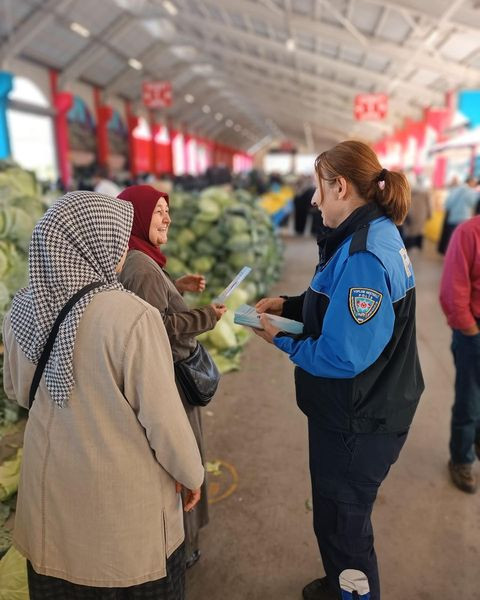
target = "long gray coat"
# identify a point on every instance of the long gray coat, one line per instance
(147, 279)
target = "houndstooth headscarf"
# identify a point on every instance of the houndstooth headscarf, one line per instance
(79, 240)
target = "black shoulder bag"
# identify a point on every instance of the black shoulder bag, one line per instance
(42, 363)
(198, 376)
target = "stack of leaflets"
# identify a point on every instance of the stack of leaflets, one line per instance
(248, 316)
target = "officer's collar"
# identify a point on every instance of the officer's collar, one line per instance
(330, 239)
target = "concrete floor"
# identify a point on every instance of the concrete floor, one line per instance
(260, 545)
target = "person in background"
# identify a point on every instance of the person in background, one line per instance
(103, 184)
(460, 300)
(357, 374)
(302, 203)
(107, 442)
(418, 214)
(459, 206)
(144, 274)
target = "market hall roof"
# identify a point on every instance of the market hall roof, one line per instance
(247, 71)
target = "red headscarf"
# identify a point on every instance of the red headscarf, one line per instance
(144, 199)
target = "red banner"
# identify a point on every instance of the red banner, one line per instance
(370, 107)
(157, 94)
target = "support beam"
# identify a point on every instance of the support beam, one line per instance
(427, 43)
(37, 20)
(96, 49)
(321, 85)
(118, 81)
(356, 72)
(303, 24)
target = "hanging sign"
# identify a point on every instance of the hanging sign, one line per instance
(157, 94)
(370, 107)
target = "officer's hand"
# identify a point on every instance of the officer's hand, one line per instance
(273, 306)
(269, 331)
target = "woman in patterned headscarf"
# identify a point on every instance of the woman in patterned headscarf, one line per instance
(98, 515)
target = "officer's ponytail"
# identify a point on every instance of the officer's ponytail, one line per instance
(358, 164)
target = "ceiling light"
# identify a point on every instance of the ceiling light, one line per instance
(238, 128)
(206, 109)
(170, 7)
(290, 44)
(229, 123)
(219, 116)
(135, 64)
(189, 98)
(80, 29)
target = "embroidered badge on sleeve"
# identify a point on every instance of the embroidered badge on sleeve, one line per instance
(363, 303)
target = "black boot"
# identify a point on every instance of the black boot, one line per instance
(319, 589)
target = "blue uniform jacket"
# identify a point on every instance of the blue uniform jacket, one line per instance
(357, 362)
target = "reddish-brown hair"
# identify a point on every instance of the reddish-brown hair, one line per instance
(358, 164)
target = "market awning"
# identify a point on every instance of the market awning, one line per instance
(469, 139)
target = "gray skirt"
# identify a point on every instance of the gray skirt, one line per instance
(196, 519)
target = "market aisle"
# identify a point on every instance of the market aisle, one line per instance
(260, 544)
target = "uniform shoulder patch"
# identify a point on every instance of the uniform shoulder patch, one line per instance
(363, 303)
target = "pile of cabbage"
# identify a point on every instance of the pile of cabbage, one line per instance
(216, 233)
(20, 208)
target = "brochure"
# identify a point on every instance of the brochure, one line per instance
(248, 316)
(236, 281)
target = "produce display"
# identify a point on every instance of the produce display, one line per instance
(20, 208)
(278, 203)
(216, 233)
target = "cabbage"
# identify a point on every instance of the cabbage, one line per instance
(238, 224)
(16, 225)
(223, 337)
(236, 299)
(205, 247)
(13, 576)
(221, 196)
(239, 242)
(16, 274)
(176, 267)
(202, 264)
(185, 237)
(4, 296)
(3, 261)
(200, 228)
(209, 210)
(239, 259)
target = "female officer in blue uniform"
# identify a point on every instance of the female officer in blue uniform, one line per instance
(357, 375)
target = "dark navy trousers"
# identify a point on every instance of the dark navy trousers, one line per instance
(347, 470)
(465, 429)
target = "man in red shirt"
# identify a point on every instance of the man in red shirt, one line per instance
(460, 300)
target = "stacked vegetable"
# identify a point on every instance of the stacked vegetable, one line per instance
(216, 233)
(20, 208)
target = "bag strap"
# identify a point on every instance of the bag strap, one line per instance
(42, 363)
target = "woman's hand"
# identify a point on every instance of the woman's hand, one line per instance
(220, 310)
(190, 283)
(191, 497)
(274, 306)
(269, 331)
(471, 331)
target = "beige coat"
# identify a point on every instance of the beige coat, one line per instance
(97, 503)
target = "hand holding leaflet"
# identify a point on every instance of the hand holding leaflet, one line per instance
(248, 316)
